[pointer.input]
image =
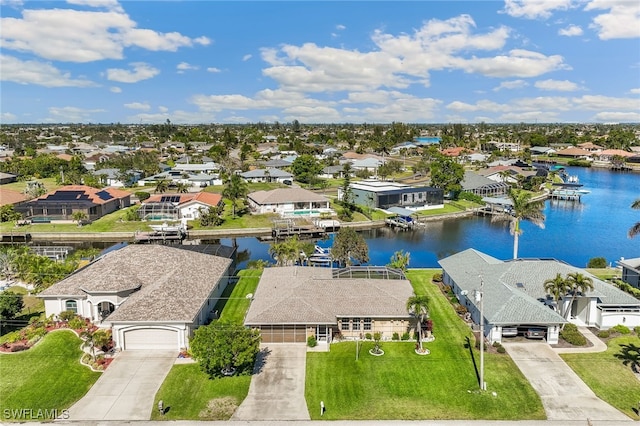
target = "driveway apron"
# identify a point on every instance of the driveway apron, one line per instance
(277, 386)
(564, 395)
(126, 390)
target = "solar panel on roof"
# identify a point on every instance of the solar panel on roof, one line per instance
(104, 195)
(66, 195)
(164, 199)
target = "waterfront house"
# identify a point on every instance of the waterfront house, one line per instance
(576, 153)
(483, 186)
(177, 206)
(514, 295)
(63, 202)
(288, 201)
(11, 197)
(383, 195)
(267, 175)
(292, 303)
(151, 296)
(630, 271)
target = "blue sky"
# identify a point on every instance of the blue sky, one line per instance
(192, 62)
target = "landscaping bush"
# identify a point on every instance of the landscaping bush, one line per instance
(67, 315)
(395, 336)
(470, 196)
(603, 334)
(597, 262)
(14, 336)
(501, 350)
(142, 195)
(571, 335)
(18, 347)
(437, 278)
(367, 336)
(76, 323)
(622, 329)
(637, 330)
(461, 309)
(312, 342)
(405, 336)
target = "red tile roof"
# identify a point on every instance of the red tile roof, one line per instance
(9, 196)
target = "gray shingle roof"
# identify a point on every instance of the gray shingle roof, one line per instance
(286, 195)
(306, 295)
(174, 283)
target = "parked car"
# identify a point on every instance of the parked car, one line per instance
(509, 331)
(536, 333)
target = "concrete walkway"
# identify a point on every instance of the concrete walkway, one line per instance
(277, 386)
(598, 345)
(127, 389)
(564, 396)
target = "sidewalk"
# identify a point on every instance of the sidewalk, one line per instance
(598, 345)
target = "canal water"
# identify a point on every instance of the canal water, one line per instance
(574, 232)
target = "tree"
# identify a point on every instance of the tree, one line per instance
(577, 283)
(556, 287)
(291, 251)
(400, 260)
(78, 216)
(10, 304)
(306, 168)
(211, 216)
(523, 208)
(635, 229)
(222, 348)
(182, 188)
(235, 188)
(418, 306)
(162, 186)
(8, 213)
(446, 174)
(88, 341)
(349, 246)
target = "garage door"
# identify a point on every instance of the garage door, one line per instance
(151, 338)
(284, 334)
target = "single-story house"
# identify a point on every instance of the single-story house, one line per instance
(288, 201)
(631, 271)
(382, 195)
(11, 197)
(483, 186)
(7, 178)
(200, 180)
(63, 202)
(295, 302)
(151, 296)
(267, 175)
(513, 295)
(541, 150)
(194, 168)
(113, 177)
(370, 164)
(177, 206)
(573, 152)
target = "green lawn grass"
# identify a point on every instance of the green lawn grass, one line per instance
(48, 376)
(50, 184)
(608, 377)
(403, 385)
(187, 391)
(234, 303)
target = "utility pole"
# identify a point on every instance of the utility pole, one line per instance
(480, 298)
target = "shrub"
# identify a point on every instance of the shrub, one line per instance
(18, 347)
(142, 195)
(405, 336)
(571, 335)
(470, 196)
(76, 323)
(312, 342)
(461, 309)
(14, 336)
(603, 334)
(622, 329)
(501, 349)
(437, 277)
(67, 315)
(637, 330)
(496, 344)
(377, 336)
(597, 262)
(395, 336)
(367, 336)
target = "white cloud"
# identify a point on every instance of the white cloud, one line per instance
(571, 31)
(36, 72)
(107, 4)
(510, 85)
(604, 103)
(141, 106)
(141, 71)
(610, 116)
(71, 114)
(246, 57)
(88, 35)
(533, 9)
(635, 91)
(621, 21)
(115, 89)
(7, 117)
(185, 66)
(163, 108)
(214, 69)
(340, 27)
(557, 85)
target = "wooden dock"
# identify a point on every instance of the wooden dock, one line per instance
(288, 228)
(159, 237)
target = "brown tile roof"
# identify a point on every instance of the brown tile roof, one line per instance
(574, 152)
(9, 196)
(286, 195)
(307, 295)
(91, 192)
(612, 152)
(209, 198)
(174, 283)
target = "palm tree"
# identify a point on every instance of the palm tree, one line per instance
(79, 216)
(235, 189)
(556, 287)
(88, 340)
(182, 188)
(523, 208)
(635, 229)
(418, 306)
(577, 283)
(162, 185)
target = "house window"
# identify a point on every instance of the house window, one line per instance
(356, 324)
(344, 326)
(367, 324)
(71, 305)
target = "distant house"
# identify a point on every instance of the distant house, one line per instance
(11, 197)
(63, 202)
(542, 150)
(514, 295)
(483, 186)
(370, 164)
(631, 271)
(177, 206)
(288, 201)
(292, 303)
(113, 177)
(508, 174)
(191, 168)
(199, 180)
(151, 296)
(577, 153)
(267, 175)
(383, 195)
(7, 178)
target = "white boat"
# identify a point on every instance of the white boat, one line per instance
(573, 179)
(168, 229)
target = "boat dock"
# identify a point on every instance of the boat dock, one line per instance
(399, 222)
(159, 237)
(12, 237)
(52, 252)
(288, 228)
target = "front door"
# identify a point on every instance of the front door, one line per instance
(321, 333)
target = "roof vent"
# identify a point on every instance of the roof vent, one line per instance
(519, 285)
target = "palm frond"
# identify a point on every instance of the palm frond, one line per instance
(635, 230)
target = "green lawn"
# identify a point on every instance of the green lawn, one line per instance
(187, 391)
(608, 377)
(50, 184)
(47, 376)
(234, 303)
(403, 385)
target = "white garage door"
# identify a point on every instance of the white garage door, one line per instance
(151, 338)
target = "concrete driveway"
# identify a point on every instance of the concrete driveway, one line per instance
(277, 386)
(126, 389)
(564, 396)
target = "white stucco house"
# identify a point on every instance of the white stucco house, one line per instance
(151, 296)
(288, 201)
(514, 295)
